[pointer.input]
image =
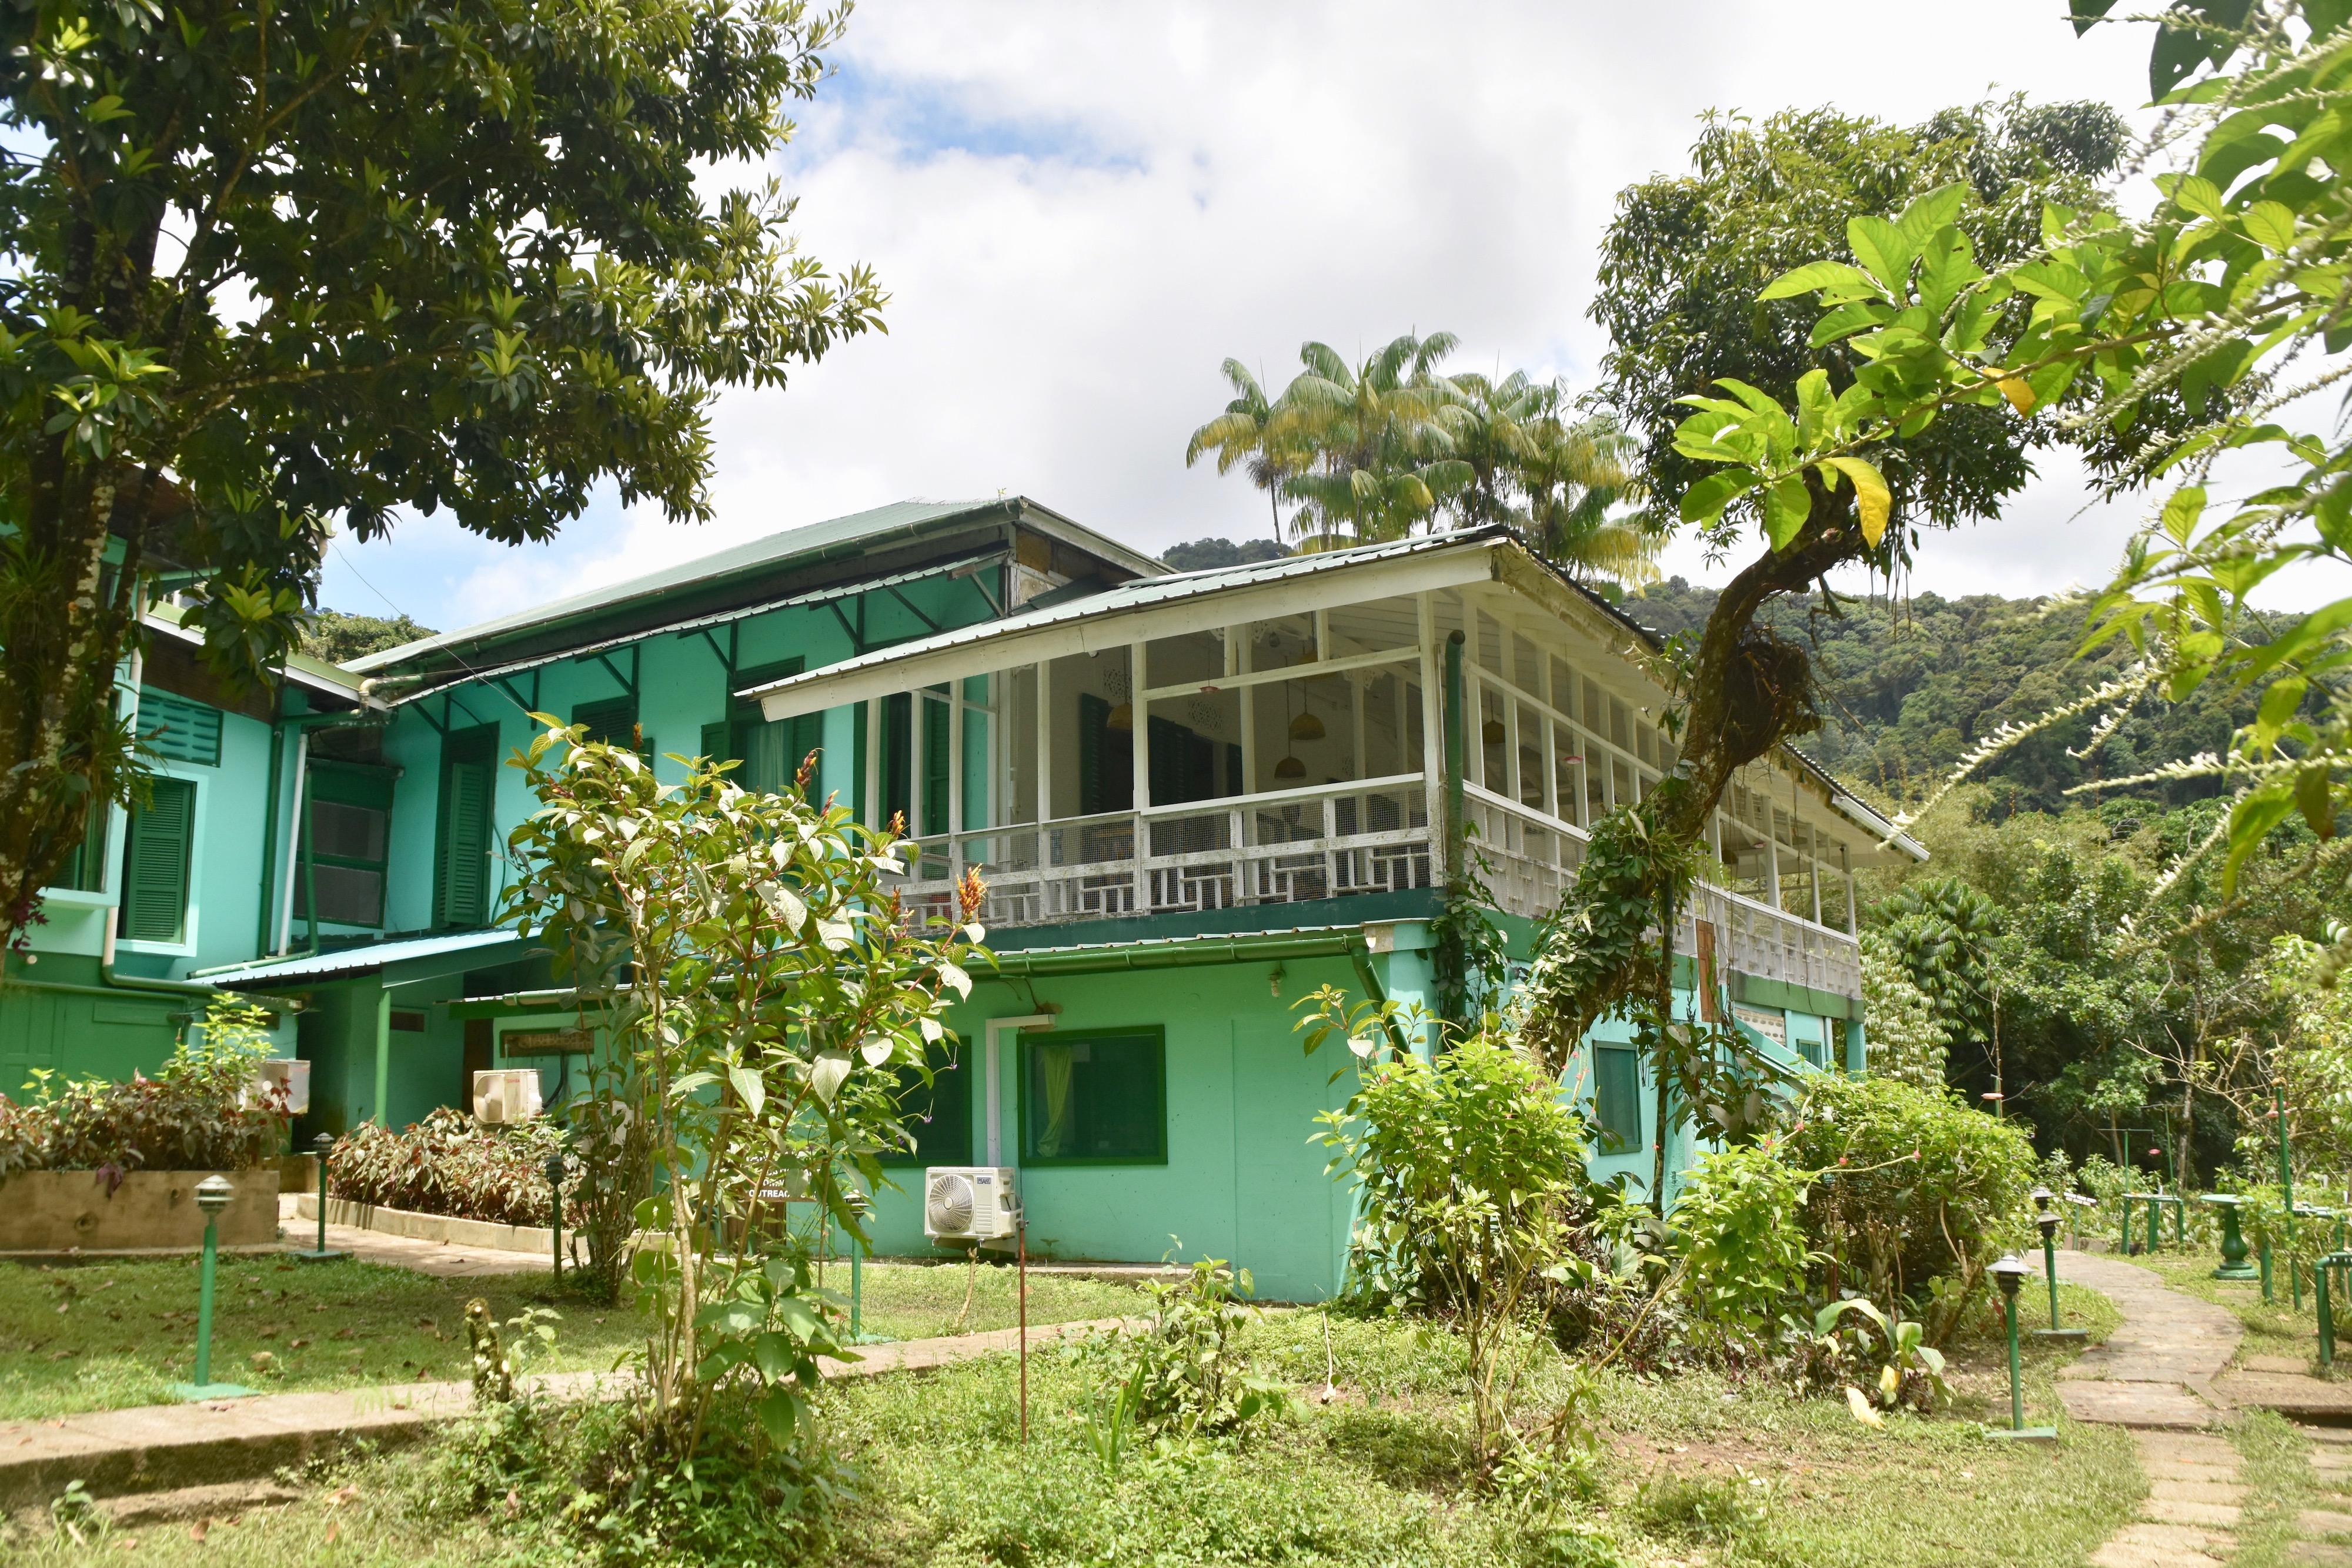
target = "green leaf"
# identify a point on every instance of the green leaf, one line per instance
(2181, 512)
(1884, 250)
(2270, 224)
(1786, 506)
(750, 1087)
(1816, 276)
(2251, 821)
(780, 1413)
(1703, 502)
(2196, 194)
(2316, 799)
(1934, 210)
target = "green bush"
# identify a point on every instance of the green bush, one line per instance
(1742, 1244)
(1919, 1194)
(447, 1164)
(206, 1110)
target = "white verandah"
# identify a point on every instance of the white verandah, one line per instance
(1262, 736)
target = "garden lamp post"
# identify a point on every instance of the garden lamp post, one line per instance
(213, 1195)
(2047, 1220)
(324, 1142)
(2009, 1273)
(555, 1200)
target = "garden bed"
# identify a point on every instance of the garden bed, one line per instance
(536, 1239)
(46, 1212)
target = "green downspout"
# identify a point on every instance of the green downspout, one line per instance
(1362, 956)
(1454, 858)
(269, 835)
(384, 1055)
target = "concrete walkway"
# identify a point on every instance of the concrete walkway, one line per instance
(2154, 1372)
(2162, 1374)
(159, 1447)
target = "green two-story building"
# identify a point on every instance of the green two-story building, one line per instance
(1194, 798)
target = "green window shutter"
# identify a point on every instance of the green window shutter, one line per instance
(612, 722)
(719, 745)
(155, 868)
(898, 775)
(177, 728)
(462, 868)
(1094, 715)
(935, 768)
(85, 869)
(1617, 1099)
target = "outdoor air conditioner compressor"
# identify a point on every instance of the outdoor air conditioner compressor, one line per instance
(970, 1203)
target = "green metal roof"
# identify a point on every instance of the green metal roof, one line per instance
(908, 522)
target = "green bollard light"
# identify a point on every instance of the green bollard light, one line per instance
(2048, 1221)
(2009, 1273)
(324, 1142)
(213, 1195)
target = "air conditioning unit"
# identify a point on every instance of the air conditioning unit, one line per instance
(970, 1203)
(505, 1095)
(290, 1075)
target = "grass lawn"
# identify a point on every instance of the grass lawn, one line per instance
(1695, 1468)
(101, 1336)
(2275, 1328)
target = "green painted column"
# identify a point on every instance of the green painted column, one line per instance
(1456, 762)
(383, 1057)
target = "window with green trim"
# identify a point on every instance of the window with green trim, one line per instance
(85, 869)
(1617, 1098)
(177, 728)
(771, 754)
(1095, 1099)
(344, 843)
(610, 722)
(461, 870)
(158, 848)
(938, 1113)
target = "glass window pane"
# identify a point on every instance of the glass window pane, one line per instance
(1098, 1097)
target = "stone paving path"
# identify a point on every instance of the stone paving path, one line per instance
(2162, 1374)
(160, 1446)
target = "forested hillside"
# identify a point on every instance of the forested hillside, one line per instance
(1908, 688)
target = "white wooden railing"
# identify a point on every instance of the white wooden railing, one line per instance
(1332, 841)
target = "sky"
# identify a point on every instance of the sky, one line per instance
(1080, 210)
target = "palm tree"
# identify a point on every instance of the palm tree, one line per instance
(1243, 436)
(1383, 459)
(1488, 422)
(1573, 474)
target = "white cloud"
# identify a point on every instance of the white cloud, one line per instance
(1080, 210)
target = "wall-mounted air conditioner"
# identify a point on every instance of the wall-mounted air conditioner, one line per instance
(505, 1096)
(970, 1203)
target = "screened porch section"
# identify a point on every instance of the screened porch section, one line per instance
(1288, 758)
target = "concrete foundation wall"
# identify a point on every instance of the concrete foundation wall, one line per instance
(52, 1211)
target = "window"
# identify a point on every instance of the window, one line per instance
(181, 730)
(1617, 1098)
(461, 873)
(611, 722)
(85, 869)
(1094, 1099)
(344, 843)
(771, 754)
(156, 853)
(939, 1115)
(1105, 759)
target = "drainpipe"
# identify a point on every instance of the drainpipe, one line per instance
(383, 1054)
(293, 830)
(1454, 856)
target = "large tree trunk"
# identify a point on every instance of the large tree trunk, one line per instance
(1744, 691)
(66, 619)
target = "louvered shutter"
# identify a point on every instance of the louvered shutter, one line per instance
(936, 762)
(466, 846)
(156, 873)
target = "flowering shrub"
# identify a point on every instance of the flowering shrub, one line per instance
(447, 1164)
(206, 1110)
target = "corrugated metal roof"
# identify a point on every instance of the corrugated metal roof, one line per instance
(699, 622)
(360, 960)
(1144, 593)
(907, 519)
